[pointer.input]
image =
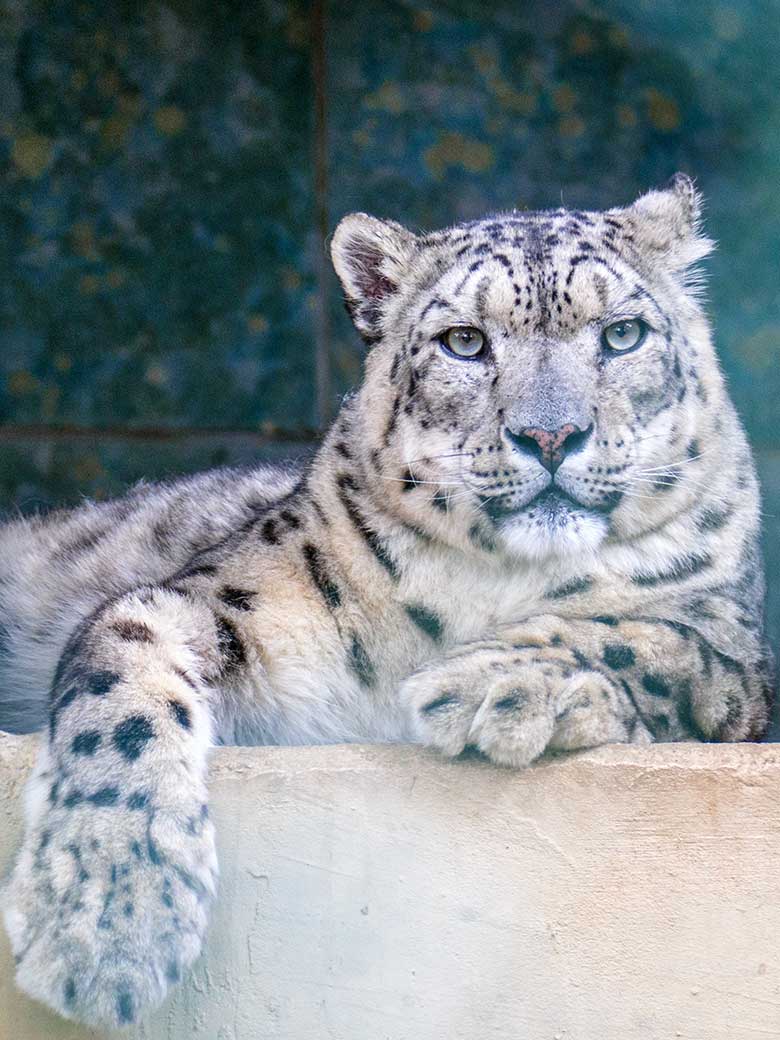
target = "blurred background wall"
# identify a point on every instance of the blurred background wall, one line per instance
(171, 170)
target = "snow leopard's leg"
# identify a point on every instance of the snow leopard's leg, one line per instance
(109, 898)
(564, 684)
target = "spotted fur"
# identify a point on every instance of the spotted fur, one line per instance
(431, 575)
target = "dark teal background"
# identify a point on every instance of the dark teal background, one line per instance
(169, 171)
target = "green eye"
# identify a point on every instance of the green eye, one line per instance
(624, 335)
(463, 341)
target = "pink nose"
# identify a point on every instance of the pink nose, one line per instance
(549, 446)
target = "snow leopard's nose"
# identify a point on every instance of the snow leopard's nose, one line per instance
(549, 447)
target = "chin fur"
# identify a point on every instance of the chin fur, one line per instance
(535, 538)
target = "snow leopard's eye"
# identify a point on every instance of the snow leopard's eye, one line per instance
(464, 341)
(623, 336)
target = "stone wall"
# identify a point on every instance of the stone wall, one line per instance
(382, 893)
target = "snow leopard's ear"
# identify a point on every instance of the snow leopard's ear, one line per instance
(371, 258)
(666, 224)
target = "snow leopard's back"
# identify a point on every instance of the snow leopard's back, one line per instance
(57, 568)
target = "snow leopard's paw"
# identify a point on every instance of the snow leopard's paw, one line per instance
(108, 904)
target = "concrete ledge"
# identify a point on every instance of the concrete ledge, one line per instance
(382, 893)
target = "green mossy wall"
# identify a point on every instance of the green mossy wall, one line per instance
(162, 210)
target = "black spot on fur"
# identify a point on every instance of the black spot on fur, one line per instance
(181, 713)
(712, 519)
(133, 631)
(230, 646)
(655, 685)
(660, 725)
(73, 798)
(291, 519)
(570, 588)
(239, 599)
(618, 655)
(81, 543)
(125, 1007)
(426, 620)
(680, 569)
(138, 800)
(269, 531)
(69, 992)
(59, 706)
(131, 736)
(447, 700)
(685, 713)
(481, 538)
(183, 675)
(582, 661)
(369, 535)
(198, 570)
(105, 796)
(360, 662)
(604, 619)
(393, 419)
(409, 481)
(101, 682)
(318, 572)
(510, 703)
(86, 743)
(441, 501)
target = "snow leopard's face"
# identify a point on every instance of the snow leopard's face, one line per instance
(549, 369)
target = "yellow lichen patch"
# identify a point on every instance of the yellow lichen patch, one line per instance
(362, 137)
(521, 101)
(170, 120)
(257, 323)
(564, 98)
(662, 110)
(626, 116)
(581, 42)
(291, 279)
(453, 149)
(31, 154)
(63, 362)
(22, 382)
(108, 83)
(571, 126)
(89, 284)
(88, 468)
(82, 240)
(114, 131)
(116, 278)
(49, 401)
(422, 20)
(157, 375)
(618, 36)
(761, 351)
(484, 59)
(387, 98)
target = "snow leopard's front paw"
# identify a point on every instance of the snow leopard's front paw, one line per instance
(509, 718)
(107, 904)
(512, 706)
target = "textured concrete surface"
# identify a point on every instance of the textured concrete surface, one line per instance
(384, 894)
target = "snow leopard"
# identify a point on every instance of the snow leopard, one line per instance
(533, 528)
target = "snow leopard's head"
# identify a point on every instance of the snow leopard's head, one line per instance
(550, 372)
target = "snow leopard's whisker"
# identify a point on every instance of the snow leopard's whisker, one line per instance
(435, 458)
(414, 481)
